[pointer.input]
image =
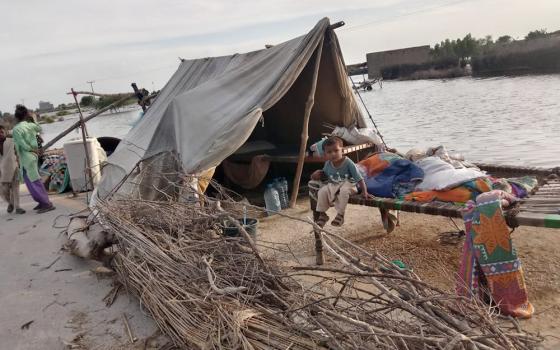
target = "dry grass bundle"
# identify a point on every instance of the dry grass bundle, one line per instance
(207, 291)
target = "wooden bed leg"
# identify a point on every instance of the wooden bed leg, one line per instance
(318, 240)
(318, 247)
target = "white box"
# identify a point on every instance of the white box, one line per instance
(76, 160)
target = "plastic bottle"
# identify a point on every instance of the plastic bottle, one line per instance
(284, 185)
(272, 199)
(279, 185)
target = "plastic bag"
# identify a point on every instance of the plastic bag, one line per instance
(357, 136)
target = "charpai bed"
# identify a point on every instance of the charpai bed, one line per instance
(540, 209)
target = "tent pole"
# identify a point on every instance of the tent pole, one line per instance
(84, 139)
(305, 129)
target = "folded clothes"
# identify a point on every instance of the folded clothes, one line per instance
(440, 175)
(460, 194)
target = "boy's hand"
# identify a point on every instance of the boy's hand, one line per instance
(366, 195)
(317, 175)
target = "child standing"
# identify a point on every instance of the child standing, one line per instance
(342, 177)
(9, 175)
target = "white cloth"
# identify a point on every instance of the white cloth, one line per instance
(440, 175)
(357, 136)
(8, 161)
(335, 194)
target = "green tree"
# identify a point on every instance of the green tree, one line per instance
(504, 39)
(537, 34)
(104, 101)
(87, 101)
(61, 106)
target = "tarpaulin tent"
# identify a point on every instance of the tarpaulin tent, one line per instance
(211, 106)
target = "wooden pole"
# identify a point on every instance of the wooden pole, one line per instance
(91, 116)
(84, 139)
(305, 128)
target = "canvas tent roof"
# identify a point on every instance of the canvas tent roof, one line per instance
(211, 106)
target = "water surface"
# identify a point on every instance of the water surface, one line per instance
(496, 120)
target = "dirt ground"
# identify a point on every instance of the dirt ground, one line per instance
(64, 300)
(415, 242)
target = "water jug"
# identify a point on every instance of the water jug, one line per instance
(284, 186)
(272, 200)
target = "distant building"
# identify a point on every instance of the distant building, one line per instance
(377, 61)
(45, 107)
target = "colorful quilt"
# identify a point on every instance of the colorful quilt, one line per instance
(389, 175)
(518, 187)
(489, 262)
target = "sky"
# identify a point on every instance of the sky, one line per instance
(48, 47)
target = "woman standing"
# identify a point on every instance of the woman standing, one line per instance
(25, 140)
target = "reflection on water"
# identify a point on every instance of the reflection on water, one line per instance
(499, 120)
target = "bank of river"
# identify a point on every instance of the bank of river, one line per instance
(497, 120)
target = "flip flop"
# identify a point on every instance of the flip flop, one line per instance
(338, 220)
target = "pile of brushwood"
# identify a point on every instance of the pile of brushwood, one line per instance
(208, 291)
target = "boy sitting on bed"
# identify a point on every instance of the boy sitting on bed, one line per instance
(342, 176)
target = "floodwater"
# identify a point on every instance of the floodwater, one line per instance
(512, 121)
(108, 124)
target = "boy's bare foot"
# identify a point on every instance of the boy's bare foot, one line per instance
(10, 208)
(338, 220)
(322, 219)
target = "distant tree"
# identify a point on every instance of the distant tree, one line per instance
(504, 39)
(461, 49)
(61, 106)
(87, 101)
(537, 34)
(104, 101)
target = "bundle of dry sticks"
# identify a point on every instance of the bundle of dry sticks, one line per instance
(208, 291)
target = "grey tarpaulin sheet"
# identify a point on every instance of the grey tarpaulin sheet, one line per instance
(210, 106)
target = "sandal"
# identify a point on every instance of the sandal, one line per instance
(338, 220)
(322, 219)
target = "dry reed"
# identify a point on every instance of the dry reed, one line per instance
(208, 291)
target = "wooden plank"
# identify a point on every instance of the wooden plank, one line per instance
(310, 159)
(538, 220)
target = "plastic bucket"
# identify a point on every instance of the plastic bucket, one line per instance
(230, 230)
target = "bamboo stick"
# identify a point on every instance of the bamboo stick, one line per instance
(89, 173)
(305, 128)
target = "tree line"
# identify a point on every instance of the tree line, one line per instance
(469, 46)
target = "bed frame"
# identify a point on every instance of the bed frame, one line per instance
(540, 209)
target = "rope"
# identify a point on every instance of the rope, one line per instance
(367, 110)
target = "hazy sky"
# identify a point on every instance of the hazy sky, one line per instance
(47, 47)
